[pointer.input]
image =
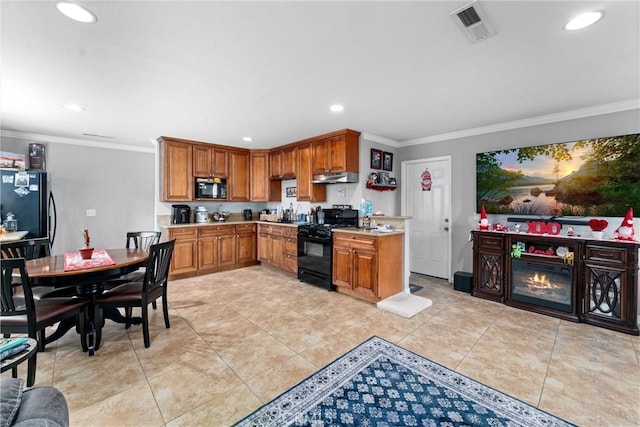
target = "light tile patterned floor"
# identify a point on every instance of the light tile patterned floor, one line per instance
(240, 338)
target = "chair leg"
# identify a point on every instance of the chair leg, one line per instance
(145, 325)
(41, 338)
(128, 314)
(165, 310)
(82, 330)
(98, 326)
(154, 305)
(31, 370)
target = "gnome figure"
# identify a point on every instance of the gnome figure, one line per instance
(483, 224)
(625, 231)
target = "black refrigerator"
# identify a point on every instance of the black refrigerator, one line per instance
(26, 194)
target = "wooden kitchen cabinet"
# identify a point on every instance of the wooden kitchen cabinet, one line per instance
(337, 152)
(216, 247)
(290, 261)
(210, 161)
(177, 177)
(185, 252)
(307, 191)
(262, 188)
(273, 248)
(366, 266)
(238, 190)
(246, 251)
(282, 163)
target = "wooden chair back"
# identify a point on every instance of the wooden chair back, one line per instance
(27, 249)
(142, 239)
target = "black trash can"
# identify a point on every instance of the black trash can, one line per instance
(462, 281)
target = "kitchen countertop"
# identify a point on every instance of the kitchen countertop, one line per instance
(373, 232)
(13, 236)
(229, 222)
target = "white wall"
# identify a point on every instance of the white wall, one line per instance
(118, 184)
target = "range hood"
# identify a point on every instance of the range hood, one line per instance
(335, 178)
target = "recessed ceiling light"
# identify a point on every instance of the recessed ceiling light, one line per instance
(76, 12)
(583, 21)
(336, 108)
(247, 139)
(73, 107)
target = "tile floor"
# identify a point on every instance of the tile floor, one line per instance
(240, 338)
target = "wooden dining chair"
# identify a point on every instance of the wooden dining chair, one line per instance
(141, 294)
(32, 249)
(22, 314)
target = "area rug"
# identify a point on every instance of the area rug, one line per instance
(380, 384)
(404, 304)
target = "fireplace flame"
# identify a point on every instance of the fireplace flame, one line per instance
(540, 281)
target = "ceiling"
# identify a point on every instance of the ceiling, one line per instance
(219, 71)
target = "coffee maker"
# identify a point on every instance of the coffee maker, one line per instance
(180, 214)
(247, 214)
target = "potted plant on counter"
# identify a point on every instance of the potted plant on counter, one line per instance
(597, 227)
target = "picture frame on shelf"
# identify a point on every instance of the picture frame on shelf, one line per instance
(383, 178)
(387, 161)
(376, 159)
(392, 181)
(291, 191)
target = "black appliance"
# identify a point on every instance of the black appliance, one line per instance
(210, 188)
(26, 194)
(180, 214)
(247, 214)
(315, 246)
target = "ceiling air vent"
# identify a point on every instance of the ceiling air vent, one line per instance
(473, 21)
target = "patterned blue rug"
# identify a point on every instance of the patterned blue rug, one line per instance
(380, 384)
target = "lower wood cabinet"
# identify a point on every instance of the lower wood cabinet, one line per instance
(277, 246)
(185, 251)
(365, 266)
(209, 248)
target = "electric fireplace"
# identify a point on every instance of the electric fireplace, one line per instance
(542, 284)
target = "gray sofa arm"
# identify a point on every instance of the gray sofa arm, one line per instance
(36, 407)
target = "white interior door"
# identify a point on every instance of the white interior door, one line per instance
(429, 207)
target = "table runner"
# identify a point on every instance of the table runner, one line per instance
(73, 260)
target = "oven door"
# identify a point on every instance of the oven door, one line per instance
(314, 261)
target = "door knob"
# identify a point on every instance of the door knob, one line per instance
(446, 229)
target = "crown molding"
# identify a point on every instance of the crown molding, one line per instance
(380, 139)
(75, 141)
(616, 107)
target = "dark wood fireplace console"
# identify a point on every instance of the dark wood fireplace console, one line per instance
(597, 279)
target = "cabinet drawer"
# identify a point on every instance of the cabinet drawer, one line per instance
(355, 241)
(490, 242)
(291, 232)
(264, 229)
(291, 246)
(605, 253)
(277, 230)
(216, 230)
(183, 233)
(245, 228)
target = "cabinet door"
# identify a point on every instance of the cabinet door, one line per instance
(264, 245)
(184, 259)
(246, 247)
(365, 273)
(275, 164)
(306, 190)
(177, 171)
(202, 161)
(289, 163)
(238, 176)
(337, 154)
(226, 250)
(219, 162)
(207, 252)
(320, 156)
(262, 188)
(277, 251)
(342, 274)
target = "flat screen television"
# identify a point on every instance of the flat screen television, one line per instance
(592, 177)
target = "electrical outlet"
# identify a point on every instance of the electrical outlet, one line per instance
(91, 212)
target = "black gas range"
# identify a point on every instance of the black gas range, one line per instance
(315, 246)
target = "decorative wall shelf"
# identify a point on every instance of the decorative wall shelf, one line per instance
(381, 187)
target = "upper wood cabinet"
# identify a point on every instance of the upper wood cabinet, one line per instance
(210, 161)
(177, 177)
(307, 191)
(282, 163)
(337, 152)
(238, 190)
(262, 188)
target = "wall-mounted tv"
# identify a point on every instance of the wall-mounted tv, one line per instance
(592, 177)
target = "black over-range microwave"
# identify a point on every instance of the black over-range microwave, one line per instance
(211, 188)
